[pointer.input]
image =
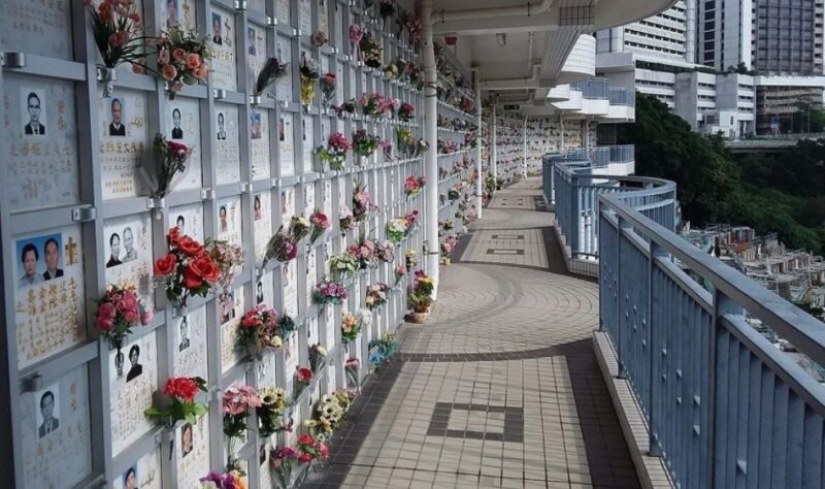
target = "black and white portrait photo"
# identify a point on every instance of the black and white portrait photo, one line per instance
(180, 223)
(120, 360)
(184, 334)
(186, 443)
(222, 219)
(221, 135)
(217, 36)
(129, 251)
(130, 478)
(250, 39)
(48, 411)
(177, 131)
(259, 296)
(135, 368)
(226, 305)
(34, 107)
(116, 126)
(114, 251)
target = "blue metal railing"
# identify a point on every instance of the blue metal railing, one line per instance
(605, 155)
(622, 96)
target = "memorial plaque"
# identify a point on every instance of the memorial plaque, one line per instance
(229, 221)
(258, 5)
(124, 142)
(178, 12)
(282, 12)
(41, 158)
(255, 53)
(230, 311)
(190, 343)
(312, 331)
(339, 27)
(287, 143)
(55, 444)
(188, 219)
(309, 200)
(133, 378)
(127, 254)
(227, 150)
(224, 62)
(311, 271)
(323, 16)
(184, 121)
(307, 143)
(262, 205)
(49, 22)
(144, 474)
(283, 85)
(339, 88)
(266, 368)
(287, 205)
(331, 372)
(192, 453)
(259, 124)
(265, 290)
(327, 202)
(332, 323)
(290, 279)
(305, 17)
(353, 84)
(50, 302)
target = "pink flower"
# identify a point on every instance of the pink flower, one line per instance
(118, 38)
(106, 311)
(193, 61)
(104, 325)
(146, 318)
(138, 69)
(179, 54)
(355, 33)
(170, 72)
(131, 316)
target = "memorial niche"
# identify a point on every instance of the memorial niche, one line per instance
(262, 216)
(287, 144)
(226, 143)
(223, 45)
(231, 310)
(184, 123)
(133, 378)
(143, 474)
(190, 343)
(127, 254)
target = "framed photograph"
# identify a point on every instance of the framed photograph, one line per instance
(130, 478)
(217, 29)
(33, 102)
(48, 410)
(40, 259)
(187, 442)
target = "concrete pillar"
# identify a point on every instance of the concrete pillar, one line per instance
(431, 136)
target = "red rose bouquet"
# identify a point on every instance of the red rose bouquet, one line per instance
(327, 83)
(258, 332)
(406, 112)
(309, 449)
(169, 161)
(335, 154)
(228, 258)
(320, 224)
(303, 377)
(413, 185)
(187, 268)
(182, 58)
(118, 311)
(179, 402)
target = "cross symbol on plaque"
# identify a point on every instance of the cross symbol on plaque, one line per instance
(71, 251)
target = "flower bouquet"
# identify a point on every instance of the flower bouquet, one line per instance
(309, 73)
(364, 144)
(327, 90)
(351, 367)
(187, 269)
(303, 377)
(182, 58)
(405, 140)
(311, 450)
(118, 311)
(350, 327)
(284, 461)
(317, 355)
(286, 325)
(356, 33)
(412, 220)
(160, 171)
(319, 225)
(283, 245)
(371, 51)
(421, 147)
(420, 299)
(400, 272)
(346, 219)
(413, 185)
(319, 39)
(342, 265)
(391, 71)
(387, 10)
(327, 413)
(453, 194)
(335, 154)
(118, 34)
(396, 230)
(406, 112)
(363, 252)
(238, 402)
(229, 480)
(381, 350)
(271, 71)
(180, 404)
(270, 412)
(362, 202)
(374, 105)
(384, 252)
(376, 295)
(328, 292)
(386, 148)
(258, 332)
(411, 259)
(227, 257)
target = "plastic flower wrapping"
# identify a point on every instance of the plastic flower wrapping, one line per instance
(364, 144)
(362, 203)
(317, 355)
(319, 223)
(258, 331)
(168, 162)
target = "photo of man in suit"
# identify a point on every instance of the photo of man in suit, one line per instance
(116, 127)
(250, 35)
(259, 297)
(216, 29)
(52, 253)
(34, 127)
(114, 257)
(137, 369)
(50, 422)
(177, 132)
(29, 257)
(184, 334)
(221, 136)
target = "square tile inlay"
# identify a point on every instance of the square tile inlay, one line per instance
(477, 421)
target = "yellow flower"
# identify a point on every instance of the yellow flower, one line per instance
(277, 342)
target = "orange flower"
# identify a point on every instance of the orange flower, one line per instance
(170, 72)
(118, 38)
(193, 61)
(198, 73)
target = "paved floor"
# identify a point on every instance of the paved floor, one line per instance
(501, 387)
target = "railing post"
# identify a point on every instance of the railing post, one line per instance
(575, 206)
(619, 298)
(655, 450)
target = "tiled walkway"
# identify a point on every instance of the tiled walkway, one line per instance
(501, 387)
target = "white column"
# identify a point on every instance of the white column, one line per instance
(561, 125)
(493, 155)
(480, 179)
(431, 136)
(524, 142)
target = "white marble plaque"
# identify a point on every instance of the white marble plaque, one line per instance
(227, 144)
(354, 83)
(282, 12)
(180, 12)
(290, 277)
(283, 52)
(265, 290)
(287, 145)
(340, 36)
(55, 444)
(41, 161)
(188, 219)
(133, 378)
(309, 200)
(307, 145)
(305, 17)
(312, 331)
(331, 325)
(144, 474)
(259, 124)
(262, 204)
(339, 84)
(230, 310)
(49, 23)
(255, 53)
(229, 220)
(311, 271)
(190, 343)
(128, 254)
(266, 368)
(184, 124)
(224, 63)
(323, 16)
(331, 369)
(287, 205)
(50, 306)
(192, 453)
(124, 142)
(327, 200)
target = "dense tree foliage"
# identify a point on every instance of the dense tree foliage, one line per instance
(783, 193)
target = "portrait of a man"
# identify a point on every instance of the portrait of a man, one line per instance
(216, 30)
(116, 127)
(221, 136)
(29, 257)
(129, 246)
(184, 334)
(137, 369)
(187, 444)
(114, 251)
(250, 36)
(259, 297)
(177, 132)
(120, 360)
(223, 220)
(51, 250)
(180, 223)
(130, 478)
(35, 125)
(50, 422)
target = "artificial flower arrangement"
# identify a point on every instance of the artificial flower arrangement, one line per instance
(328, 292)
(364, 144)
(311, 450)
(351, 368)
(375, 105)
(391, 71)
(412, 220)
(317, 355)
(182, 58)
(118, 311)
(415, 75)
(238, 403)
(420, 299)
(413, 185)
(386, 8)
(283, 245)
(371, 51)
(363, 252)
(226, 480)
(309, 74)
(411, 259)
(356, 33)
(327, 83)
(258, 332)
(453, 194)
(386, 149)
(421, 146)
(400, 272)
(187, 269)
(342, 265)
(335, 154)
(381, 350)
(415, 30)
(447, 247)
(384, 252)
(447, 224)
(376, 295)
(405, 140)
(319, 39)
(327, 413)
(397, 229)
(271, 411)
(228, 257)
(118, 33)
(168, 161)
(467, 104)
(303, 377)
(406, 112)
(346, 220)
(271, 71)
(179, 403)
(350, 327)
(286, 325)
(362, 202)
(319, 223)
